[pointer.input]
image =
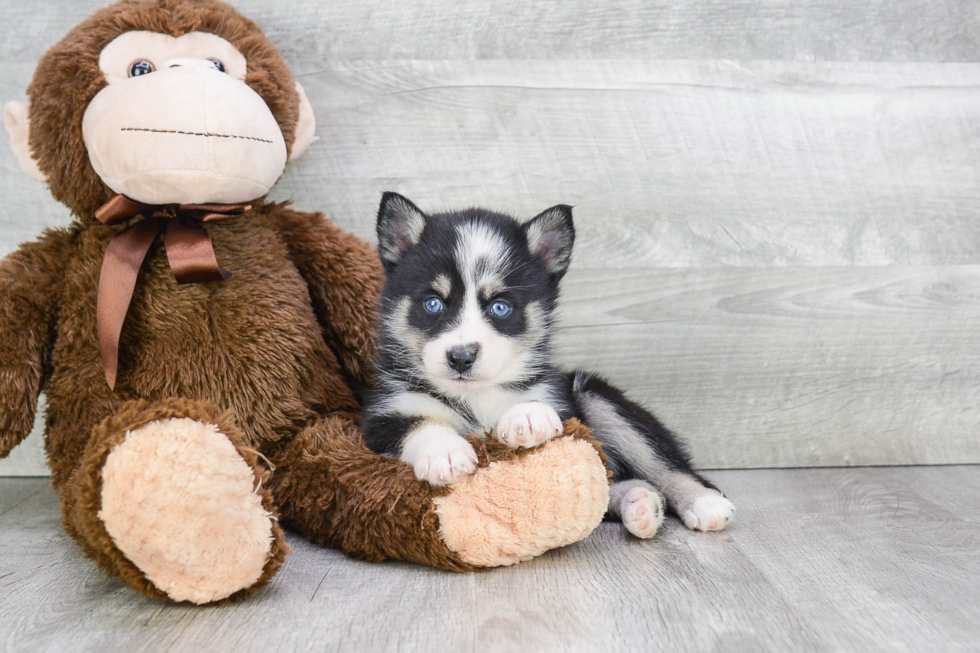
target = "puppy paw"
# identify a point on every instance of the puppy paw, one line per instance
(439, 454)
(710, 512)
(642, 512)
(528, 425)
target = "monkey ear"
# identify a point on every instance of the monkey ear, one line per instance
(305, 126)
(18, 124)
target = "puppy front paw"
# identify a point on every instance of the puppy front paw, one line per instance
(528, 425)
(438, 454)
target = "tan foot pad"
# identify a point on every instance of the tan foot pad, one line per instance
(180, 502)
(507, 513)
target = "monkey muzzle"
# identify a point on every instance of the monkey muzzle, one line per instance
(184, 135)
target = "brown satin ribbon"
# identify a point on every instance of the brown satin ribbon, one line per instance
(189, 250)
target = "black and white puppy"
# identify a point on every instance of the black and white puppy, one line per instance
(466, 326)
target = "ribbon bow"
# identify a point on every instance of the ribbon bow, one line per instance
(189, 250)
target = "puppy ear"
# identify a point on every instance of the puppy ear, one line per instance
(400, 225)
(18, 124)
(550, 237)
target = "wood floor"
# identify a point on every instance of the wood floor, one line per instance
(857, 559)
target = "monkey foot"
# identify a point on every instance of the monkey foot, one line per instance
(507, 513)
(180, 502)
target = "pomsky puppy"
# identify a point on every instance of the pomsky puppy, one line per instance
(465, 348)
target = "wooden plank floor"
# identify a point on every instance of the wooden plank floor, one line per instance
(858, 559)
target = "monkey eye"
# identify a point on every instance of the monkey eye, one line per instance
(141, 67)
(220, 67)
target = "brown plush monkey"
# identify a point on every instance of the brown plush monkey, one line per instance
(193, 408)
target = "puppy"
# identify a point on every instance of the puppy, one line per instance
(466, 325)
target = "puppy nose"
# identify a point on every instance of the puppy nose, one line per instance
(462, 358)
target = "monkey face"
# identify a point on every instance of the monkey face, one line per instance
(178, 124)
(165, 101)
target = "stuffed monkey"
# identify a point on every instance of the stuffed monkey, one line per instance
(198, 343)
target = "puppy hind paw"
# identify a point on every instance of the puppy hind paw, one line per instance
(642, 512)
(710, 512)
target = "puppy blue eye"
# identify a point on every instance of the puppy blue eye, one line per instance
(434, 305)
(500, 309)
(141, 67)
(220, 67)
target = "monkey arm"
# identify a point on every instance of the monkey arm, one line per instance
(30, 279)
(344, 276)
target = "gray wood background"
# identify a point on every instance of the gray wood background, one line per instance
(778, 201)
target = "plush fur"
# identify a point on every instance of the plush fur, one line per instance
(498, 506)
(153, 487)
(266, 360)
(82, 500)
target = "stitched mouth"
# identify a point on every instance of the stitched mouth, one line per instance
(183, 133)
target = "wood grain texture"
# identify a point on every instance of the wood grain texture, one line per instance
(669, 164)
(780, 367)
(807, 30)
(819, 560)
(28, 458)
